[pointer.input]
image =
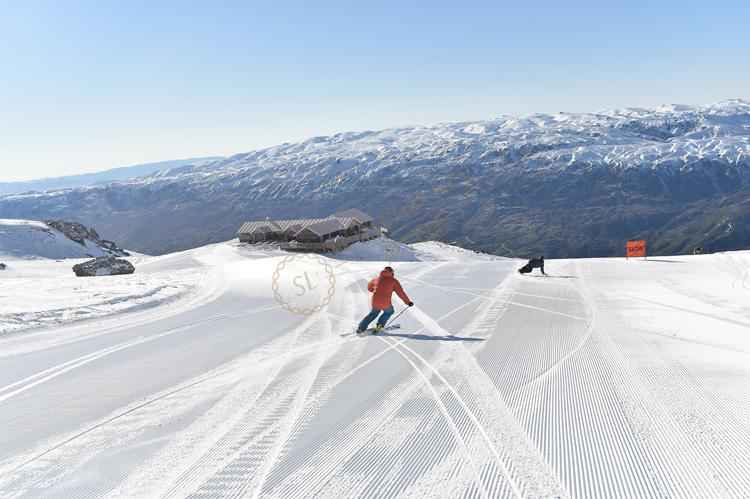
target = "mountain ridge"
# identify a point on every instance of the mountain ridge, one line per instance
(98, 177)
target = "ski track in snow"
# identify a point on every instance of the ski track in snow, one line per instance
(608, 378)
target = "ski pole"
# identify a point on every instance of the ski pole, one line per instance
(394, 318)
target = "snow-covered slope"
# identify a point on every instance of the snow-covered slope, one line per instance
(439, 251)
(607, 378)
(33, 239)
(383, 249)
(44, 295)
(565, 184)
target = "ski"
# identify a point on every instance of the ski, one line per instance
(371, 331)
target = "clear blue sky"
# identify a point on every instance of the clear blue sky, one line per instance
(91, 85)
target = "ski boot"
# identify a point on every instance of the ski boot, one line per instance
(379, 328)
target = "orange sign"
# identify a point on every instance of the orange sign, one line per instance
(636, 248)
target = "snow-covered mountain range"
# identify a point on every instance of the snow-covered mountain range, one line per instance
(570, 184)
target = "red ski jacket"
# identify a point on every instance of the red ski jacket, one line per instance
(382, 287)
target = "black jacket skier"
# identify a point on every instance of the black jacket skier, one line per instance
(534, 263)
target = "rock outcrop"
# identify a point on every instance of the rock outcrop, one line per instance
(103, 266)
(80, 234)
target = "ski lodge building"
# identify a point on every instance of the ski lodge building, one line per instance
(332, 233)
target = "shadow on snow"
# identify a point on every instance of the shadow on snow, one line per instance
(555, 276)
(432, 337)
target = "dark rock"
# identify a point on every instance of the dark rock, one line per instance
(2, 266)
(72, 230)
(103, 266)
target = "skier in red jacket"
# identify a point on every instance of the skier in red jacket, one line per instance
(381, 288)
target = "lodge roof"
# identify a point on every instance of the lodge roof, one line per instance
(322, 226)
(325, 227)
(355, 213)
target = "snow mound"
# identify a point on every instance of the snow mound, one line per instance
(438, 251)
(380, 249)
(22, 239)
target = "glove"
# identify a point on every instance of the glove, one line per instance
(411, 303)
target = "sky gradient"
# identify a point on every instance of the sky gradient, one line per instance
(86, 86)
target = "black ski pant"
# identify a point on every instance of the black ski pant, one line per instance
(528, 268)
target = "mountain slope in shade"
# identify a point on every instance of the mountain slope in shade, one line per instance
(561, 185)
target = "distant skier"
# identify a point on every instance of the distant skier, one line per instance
(697, 250)
(534, 263)
(381, 288)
